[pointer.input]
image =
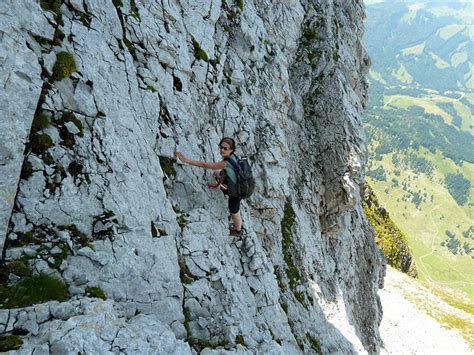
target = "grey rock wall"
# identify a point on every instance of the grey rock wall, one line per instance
(92, 193)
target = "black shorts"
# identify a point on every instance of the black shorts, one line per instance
(234, 204)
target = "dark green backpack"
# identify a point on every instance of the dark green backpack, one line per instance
(245, 184)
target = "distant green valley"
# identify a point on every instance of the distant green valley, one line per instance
(420, 126)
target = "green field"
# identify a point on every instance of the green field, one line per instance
(432, 104)
(425, 226)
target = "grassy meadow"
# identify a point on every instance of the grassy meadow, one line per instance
(426, 226)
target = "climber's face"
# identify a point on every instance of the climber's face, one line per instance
(225, 150)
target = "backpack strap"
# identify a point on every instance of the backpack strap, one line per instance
(233, 162)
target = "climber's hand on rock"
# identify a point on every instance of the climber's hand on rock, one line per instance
(181, 157)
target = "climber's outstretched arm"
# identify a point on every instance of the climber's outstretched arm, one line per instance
(200, 164)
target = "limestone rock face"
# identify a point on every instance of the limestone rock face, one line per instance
(97, 97)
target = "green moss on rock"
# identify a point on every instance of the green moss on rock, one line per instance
(214, 62)
(26, 170)
(300, 296)
(131, 47)
(315, 344)
(10, 342)
(60, 257)
(309, 34)
(23, 239)
(31, 290)
(58, 36)
(40, 121)
(287, 223)
(184, 273)
(40, 143)
(50, 5)
(195, 343)
(187, 319)
(239, 339)
(314, 54)
(64, 66)
(68, 138)
(75, 168)
(182, 222)
(96, 292)
(43, 41)
(167, 165)
(104, 225)
(134, 8)
(199, 53)
(240, 4)
(71, 117)
(19, 268)
(279, 278)
(76, 235)
(292, 271)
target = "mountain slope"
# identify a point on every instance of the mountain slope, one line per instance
(420, 128)
(422, 44)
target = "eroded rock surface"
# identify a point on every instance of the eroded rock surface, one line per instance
(98, 96)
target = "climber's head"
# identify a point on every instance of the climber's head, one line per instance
(226, 147)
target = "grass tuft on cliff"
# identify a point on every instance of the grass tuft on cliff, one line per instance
(389, 238)
(64, 66)
(32, 290)
(292, 271)
(10, 342)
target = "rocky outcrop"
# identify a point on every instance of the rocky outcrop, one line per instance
(99, 97)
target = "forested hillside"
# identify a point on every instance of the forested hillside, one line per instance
(419, 123)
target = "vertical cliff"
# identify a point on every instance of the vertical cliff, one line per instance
(98, 96)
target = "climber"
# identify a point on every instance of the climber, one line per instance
(225, 179)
